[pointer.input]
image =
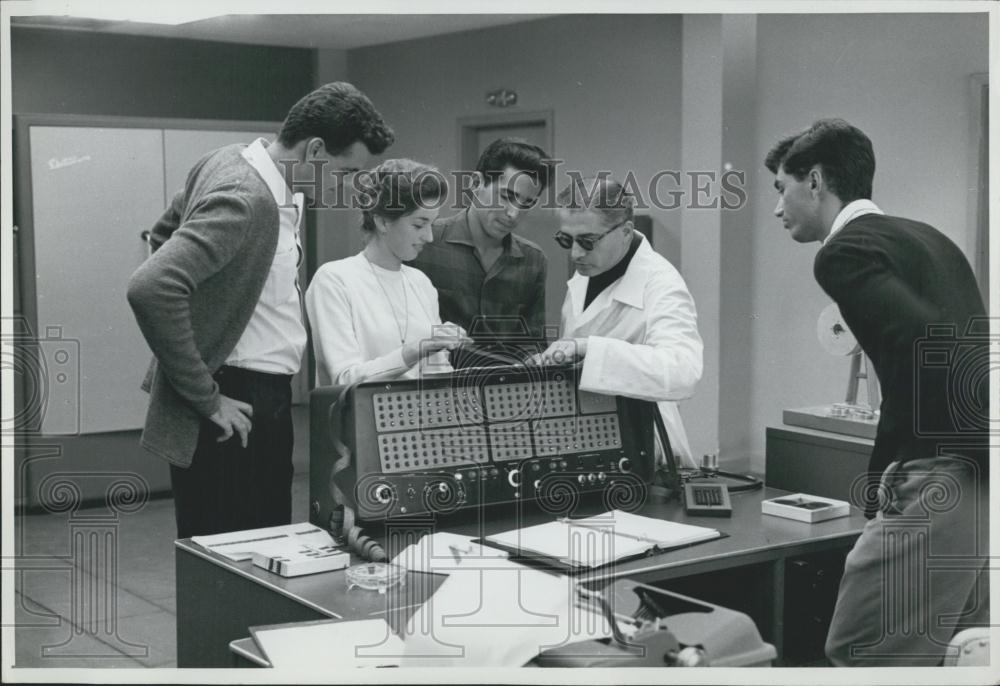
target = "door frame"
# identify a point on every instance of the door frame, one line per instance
(977, 194)
(469, 127)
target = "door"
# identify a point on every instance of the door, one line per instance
(539, 224)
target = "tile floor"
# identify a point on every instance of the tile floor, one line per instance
(83, 611)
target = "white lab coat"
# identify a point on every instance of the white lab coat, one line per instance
(642, 338)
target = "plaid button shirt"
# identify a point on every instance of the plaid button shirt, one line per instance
(513, 287)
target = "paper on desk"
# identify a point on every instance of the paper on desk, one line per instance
(272, 540)
(443, 552)
(496, 618)
(329, 645)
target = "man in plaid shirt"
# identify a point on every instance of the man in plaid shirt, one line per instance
(479, 267)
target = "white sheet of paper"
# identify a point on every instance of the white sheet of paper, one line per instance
(443, 552)
(496, 618)
(330, 645)
(241, 545)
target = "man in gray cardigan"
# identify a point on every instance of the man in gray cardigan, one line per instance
(219, 305)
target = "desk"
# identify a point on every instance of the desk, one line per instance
(217, 599)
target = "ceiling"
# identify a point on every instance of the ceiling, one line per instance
(339, 31)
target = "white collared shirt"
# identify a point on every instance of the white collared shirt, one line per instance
(852, 210)
(642, 338)
(275, 337)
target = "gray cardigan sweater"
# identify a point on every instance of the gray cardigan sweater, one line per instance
(194, 296)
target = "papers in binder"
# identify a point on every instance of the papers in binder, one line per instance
(272, 540)
(599, 540)
(297, 559)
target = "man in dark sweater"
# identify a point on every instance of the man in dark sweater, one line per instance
(900, 284)
(219, 305)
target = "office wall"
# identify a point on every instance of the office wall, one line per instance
(75, 72)
(613, 83)
(336, 231)
(904, 80)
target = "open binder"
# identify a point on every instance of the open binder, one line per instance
(596, 541)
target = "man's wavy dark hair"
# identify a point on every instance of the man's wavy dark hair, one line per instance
(341, 115)
(519, 154)
(843, 152)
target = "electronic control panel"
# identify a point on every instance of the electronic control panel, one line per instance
(476, 437)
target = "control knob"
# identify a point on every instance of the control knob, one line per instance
(514, 478)
(383, 493)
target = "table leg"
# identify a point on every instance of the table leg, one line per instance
(777, 609)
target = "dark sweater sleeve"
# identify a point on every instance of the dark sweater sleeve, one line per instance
(168, 223)
(159, 292)
(857, 273)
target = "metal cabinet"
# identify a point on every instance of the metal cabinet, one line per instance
(86, 189)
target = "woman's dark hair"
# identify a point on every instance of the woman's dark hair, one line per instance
(341, 115)
(397, 188)
(843, 151)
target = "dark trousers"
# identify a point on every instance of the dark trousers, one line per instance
(229, 487)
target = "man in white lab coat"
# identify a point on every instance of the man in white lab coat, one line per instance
(627, 313)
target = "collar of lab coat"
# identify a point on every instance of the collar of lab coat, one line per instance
(628, 290)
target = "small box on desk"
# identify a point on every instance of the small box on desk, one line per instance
(805, 508)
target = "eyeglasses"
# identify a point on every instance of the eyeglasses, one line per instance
(587, 242)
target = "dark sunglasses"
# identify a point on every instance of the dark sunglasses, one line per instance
(587, 242)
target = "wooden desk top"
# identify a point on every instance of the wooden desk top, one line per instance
(751, 538)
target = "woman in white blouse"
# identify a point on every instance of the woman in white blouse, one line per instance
(373, 317)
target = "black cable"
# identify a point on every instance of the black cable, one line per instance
(751, 482)
(670, 477)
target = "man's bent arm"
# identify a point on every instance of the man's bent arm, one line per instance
(160, 291)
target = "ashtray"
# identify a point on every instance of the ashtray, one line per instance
(375, 576)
